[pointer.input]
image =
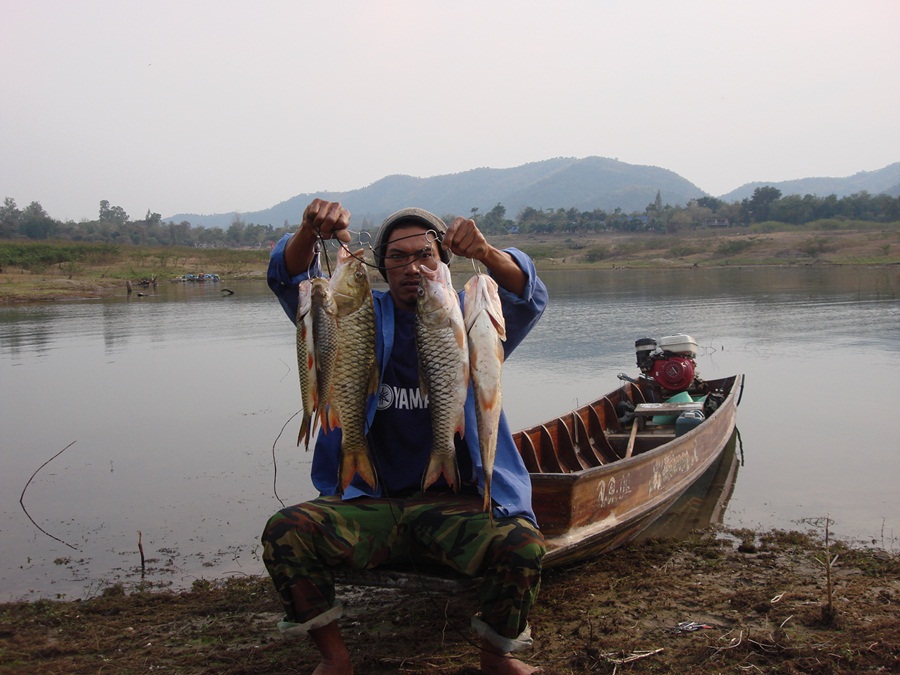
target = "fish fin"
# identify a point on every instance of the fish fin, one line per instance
(494, 310)
(334, 417)
(373, 380)
(308, 428)
(357, 463)
(490, 400)
(423, 385)
(488, 504)
(312, 374)
(461, 423)
(323, 415)
(304, 431)
(492, 305)
(500, 356)
(438, 467)
(498, 322)
(460, 335)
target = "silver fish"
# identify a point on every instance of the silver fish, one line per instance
(306, 362)
(324, 327)
(356, 369)
(443, 369)
(485, 331)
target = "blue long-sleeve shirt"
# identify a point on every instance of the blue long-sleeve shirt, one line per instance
(401, 466)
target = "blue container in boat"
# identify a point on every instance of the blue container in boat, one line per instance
(687, 421)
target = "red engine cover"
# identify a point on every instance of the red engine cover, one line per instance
(673, 372)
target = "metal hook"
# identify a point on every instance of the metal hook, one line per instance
(314, 261)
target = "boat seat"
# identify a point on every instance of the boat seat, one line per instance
(644, 410)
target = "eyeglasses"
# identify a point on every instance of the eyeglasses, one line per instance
(403, 259)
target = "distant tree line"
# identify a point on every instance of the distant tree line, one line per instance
(767, 204)
(115, 226)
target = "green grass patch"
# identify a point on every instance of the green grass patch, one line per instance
(38, 256)
(597, 253)
(545, 251)
(729, 249)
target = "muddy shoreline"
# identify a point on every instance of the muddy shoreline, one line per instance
(718, 601)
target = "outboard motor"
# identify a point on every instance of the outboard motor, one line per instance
(669, 362)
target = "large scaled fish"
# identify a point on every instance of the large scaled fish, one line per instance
(485, 329)
(323, 310)
(306, 362)
(443, 369)
(356, 370)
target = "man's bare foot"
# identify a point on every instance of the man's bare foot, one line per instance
(335, 656)
(333, 669)
(495, 663)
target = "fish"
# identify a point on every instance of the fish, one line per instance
(356, 368)
(325, 344)
(485, 333)
(443, 369)
(306, 362)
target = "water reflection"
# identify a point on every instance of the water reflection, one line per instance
(705, 502)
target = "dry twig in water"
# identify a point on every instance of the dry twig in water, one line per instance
(274, 461)
(22, 497)
(141, 549)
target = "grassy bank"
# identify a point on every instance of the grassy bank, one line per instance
(763, 244)
(33, 271)
(718, 602)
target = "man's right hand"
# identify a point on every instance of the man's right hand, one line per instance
(329, 220)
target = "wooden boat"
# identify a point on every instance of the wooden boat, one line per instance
(597, 482)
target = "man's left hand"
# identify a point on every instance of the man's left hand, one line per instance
(463, 238)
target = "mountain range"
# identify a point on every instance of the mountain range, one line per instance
(564, 182)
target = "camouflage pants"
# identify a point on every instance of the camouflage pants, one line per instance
(303, 543)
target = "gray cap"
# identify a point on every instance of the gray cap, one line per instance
(408, 216)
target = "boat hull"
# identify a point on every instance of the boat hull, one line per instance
(585, 512)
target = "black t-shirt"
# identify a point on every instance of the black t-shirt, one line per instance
(400, 435)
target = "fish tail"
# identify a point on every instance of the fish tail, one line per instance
(357, 463)
(488, 506)
(307, 429)
(441, 466)
(304, 432)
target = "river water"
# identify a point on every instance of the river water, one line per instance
(160, 418)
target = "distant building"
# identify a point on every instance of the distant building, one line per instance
(716, 222)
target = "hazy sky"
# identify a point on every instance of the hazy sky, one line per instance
(216, 106)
